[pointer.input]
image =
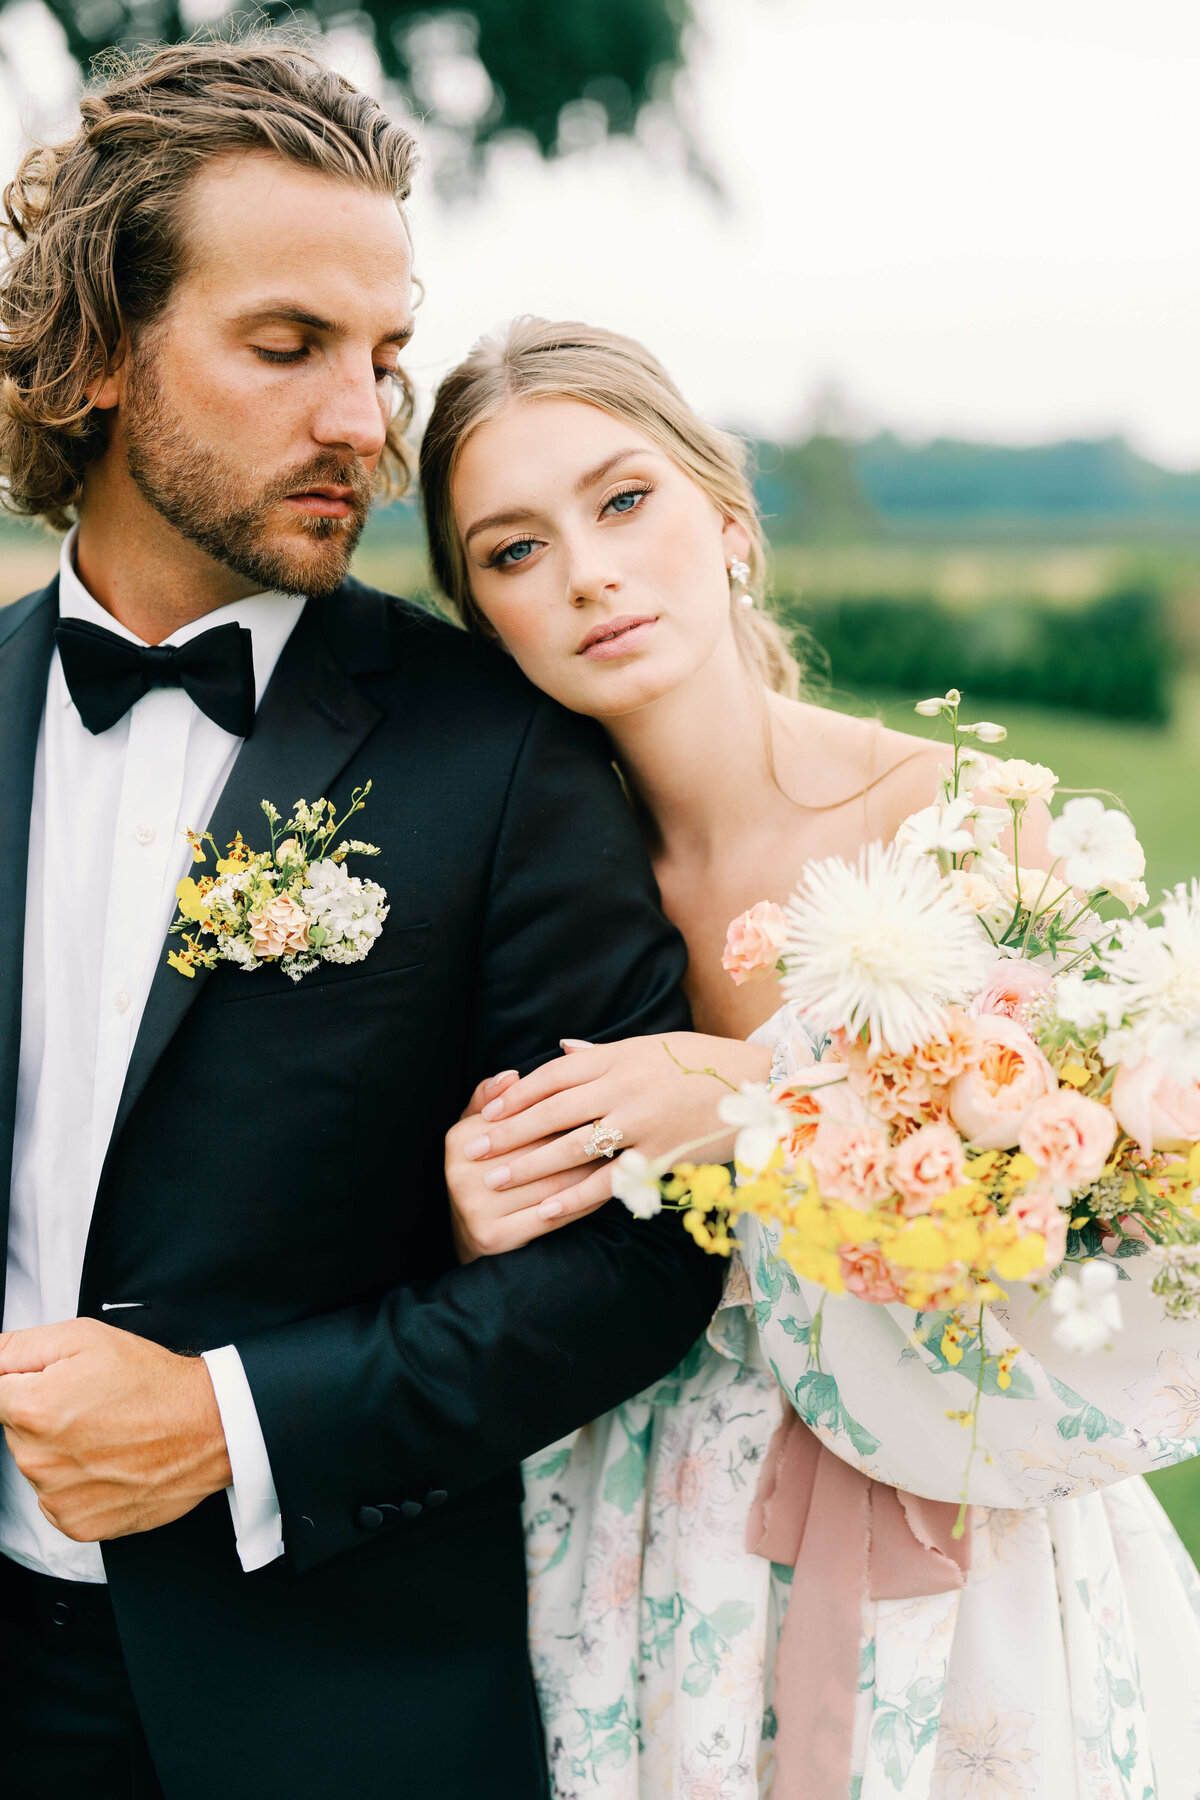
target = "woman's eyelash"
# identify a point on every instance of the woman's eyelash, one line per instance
(638, 488)
(496, 559)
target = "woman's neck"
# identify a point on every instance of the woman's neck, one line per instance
(699, 759)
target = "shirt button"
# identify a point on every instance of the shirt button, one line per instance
(144, 834)
(122, 1001)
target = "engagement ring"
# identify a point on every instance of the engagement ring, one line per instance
(602, 1140)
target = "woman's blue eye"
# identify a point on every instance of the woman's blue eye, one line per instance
(515, 553)
(623, 503)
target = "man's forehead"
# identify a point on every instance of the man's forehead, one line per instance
(262, 223)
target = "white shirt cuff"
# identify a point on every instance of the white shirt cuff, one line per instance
(253, 1502)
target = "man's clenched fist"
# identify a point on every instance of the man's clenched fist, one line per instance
(116, 1434)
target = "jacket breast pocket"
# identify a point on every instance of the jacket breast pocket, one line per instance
(397, 949)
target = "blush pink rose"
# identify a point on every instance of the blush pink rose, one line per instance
(1039, 1211)
(1008, 986)
(754, 940)
(852, 1162)
(279, 928)
(867, 1275)
(1068, 1137)
(989, 1101)
(926, 1165)
(1158, 1113)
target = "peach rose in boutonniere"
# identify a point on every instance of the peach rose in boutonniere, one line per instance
(280, 928)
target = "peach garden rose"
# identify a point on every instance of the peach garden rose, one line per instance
(1069, 1137)
(1158, 1113)
(925, 1165)
(754, 940)
(990, 1100)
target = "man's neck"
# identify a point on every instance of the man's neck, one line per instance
(144, 572)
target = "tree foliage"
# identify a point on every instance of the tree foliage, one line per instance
(533, 58)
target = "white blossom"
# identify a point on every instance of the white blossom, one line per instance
(1086, 1307)
(348, 910)
(759, 1122)
(635, 1184)
(1097, 844)
(1155, 975)
(941, 827)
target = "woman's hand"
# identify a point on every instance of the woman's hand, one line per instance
(517, 1164)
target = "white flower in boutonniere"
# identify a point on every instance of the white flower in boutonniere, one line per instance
(295, 904)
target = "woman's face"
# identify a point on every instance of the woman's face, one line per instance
(601, 566)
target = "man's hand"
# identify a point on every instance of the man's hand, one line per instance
(115, 1434)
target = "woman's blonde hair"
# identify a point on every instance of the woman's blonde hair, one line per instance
(533, 359)
(96, 239)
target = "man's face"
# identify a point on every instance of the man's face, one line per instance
(252, 415)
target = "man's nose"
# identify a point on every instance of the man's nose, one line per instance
(355, 412)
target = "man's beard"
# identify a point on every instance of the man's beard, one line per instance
(204, 498)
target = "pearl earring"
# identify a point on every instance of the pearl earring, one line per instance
(739, 575)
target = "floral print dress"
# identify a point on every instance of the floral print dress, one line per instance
(1067, 1668)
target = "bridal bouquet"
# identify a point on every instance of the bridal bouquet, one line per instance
(295, 904)
(988, 1079)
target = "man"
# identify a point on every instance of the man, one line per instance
(259, 1506)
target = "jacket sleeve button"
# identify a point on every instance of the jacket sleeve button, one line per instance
(411, 1509)
(369, 1518)
(436, 1497)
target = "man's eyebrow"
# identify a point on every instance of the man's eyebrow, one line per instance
(588, 479)
(276, 310)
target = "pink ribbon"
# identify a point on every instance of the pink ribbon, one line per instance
(848, 1539)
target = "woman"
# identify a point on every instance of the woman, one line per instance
(580, 513)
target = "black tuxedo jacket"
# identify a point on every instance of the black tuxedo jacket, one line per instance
(274, 1180)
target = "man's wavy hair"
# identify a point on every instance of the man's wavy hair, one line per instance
(95, 241)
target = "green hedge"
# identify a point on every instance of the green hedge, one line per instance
(1112, 655)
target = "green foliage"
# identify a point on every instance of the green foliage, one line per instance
(539, 58)
(1111, 656)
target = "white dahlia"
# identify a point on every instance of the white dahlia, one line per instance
(885, 944)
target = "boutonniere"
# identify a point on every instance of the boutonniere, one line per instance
(295, 904)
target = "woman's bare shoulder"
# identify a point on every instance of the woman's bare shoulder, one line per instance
(839, 758)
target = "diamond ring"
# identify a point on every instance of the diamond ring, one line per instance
(602, 1140)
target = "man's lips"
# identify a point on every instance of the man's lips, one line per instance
(327, 499)
(617, 637)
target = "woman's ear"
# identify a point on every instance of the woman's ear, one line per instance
(735, 541)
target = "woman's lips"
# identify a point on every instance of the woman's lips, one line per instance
(618, 637)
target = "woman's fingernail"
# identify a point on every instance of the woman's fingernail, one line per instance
(496, 1178)
(492, 1110)
(476, 1148)
(502, 1076)
(576, 1044)
(550, 1209)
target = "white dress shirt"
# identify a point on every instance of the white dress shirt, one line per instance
(106, 851)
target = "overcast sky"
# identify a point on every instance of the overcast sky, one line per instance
(978, 217)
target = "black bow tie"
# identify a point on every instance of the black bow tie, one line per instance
(107, 674)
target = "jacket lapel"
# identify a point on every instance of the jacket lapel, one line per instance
(312, 720)
(26, 646)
